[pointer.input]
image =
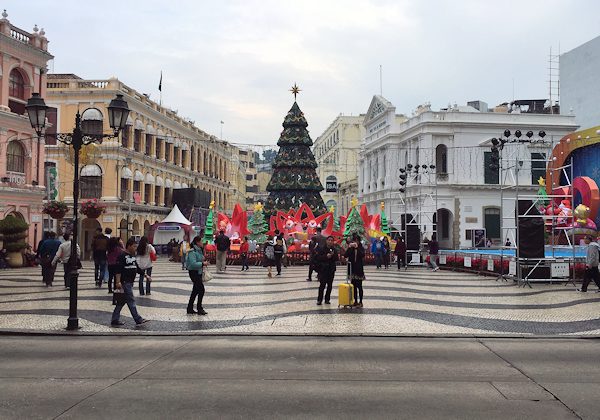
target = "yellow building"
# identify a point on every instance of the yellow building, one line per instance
(133, 175)
(248, 160)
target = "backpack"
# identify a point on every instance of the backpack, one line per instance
(270, 252)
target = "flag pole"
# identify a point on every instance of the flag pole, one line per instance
(160, 89)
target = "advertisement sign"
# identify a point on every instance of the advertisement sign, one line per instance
(331, 186)
(512, 268)
(467, 261)
(52, 187)
(478, 238)
(443, 259)
(559, 270)
(490, 265)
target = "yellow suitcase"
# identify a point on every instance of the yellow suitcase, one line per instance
(346, 292)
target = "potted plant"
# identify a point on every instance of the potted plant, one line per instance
(55, 209)
(92, 208)
(14, 231)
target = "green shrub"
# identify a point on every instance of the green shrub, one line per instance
(15, 246)
(12, 224)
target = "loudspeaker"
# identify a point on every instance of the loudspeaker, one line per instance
(191, 197)
(413, 237)
(531, 230)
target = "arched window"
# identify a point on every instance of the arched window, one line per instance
(441, 159)
(91, 121)
(16, 85)
(91, 181)
(15, 154)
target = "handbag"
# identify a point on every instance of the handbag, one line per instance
(153, 256)
(118, 297)
(206, 276)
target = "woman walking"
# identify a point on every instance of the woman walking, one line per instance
(114, 249)
(196, 265)
(145, 254)
(269, 259)
(355, 254)
(244, 247)
(386, 252)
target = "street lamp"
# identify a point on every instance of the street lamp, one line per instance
(81, 136)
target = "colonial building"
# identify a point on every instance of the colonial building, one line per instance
(336, 152)
(23, 60)
(248, 159)
(456, 181)
(134, 175)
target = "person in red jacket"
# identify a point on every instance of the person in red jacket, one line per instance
(244, 253)
(400, 252)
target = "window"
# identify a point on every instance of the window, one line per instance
(249, 177)
(491, 173)
(157, 195)
(137, 140)
(91, 122)
(51, 127)
(15, 157)
(176, 155)
(16, 85)
(183, 158)
(168, 152)
(538, 167)
(168, 197)
(124, 189)
(441, 159)
(125, 137)
(147, 193)
(148, 144)
(491, 222)
(90, 181)
(158, 148)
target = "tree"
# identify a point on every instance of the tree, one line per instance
(268, 155)
(294, 180)
(209, 230)
(354, 224)
(258, 225)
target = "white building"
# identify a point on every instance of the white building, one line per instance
(336, 153)
(579, 83)
(462, 190)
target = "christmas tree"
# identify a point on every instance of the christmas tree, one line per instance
(294, 180)
(258, 225)
(543, 199)
(384, 223)
(354, 224)
(209, 230)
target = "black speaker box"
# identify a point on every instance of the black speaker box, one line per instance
(531, 230)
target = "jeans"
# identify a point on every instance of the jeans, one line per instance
(278, 262)
(433, 261)
(589, 275)
(245, 261)
(325, 279)
(142, 276)
(128, 289)
(197, 290)
(67, 275)
(48, 272)
(378, 260)
(99, 271)
(221, 260)
(112, 271)
(401, 260)
(358, 290)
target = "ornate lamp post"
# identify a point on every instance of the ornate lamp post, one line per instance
(81, 136)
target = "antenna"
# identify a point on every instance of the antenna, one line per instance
(554, 79)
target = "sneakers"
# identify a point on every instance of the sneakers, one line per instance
(436, 268)
(117, 323)
(581, 291)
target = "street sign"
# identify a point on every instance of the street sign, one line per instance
(52, 180)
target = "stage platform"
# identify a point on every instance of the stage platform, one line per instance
(558, 252)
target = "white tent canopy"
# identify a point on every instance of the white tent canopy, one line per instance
(176, 217)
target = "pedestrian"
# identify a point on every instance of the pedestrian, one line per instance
(508, 242)
(400, 252)
(592, 258)
(244, 247)
(387, 252)
(326, 259)
(196, 266)
(127, 271)
(63, 255)
(269, 255)
(434, 249)
(184, 248)
(47, 251)
(99, 246)
(355, 255)
(377, 250)
(223, 244)
(488, 243)
(279, 250)
(146, 254)
(108, 232)
(45, 235)
(312, 250)
(114, 250)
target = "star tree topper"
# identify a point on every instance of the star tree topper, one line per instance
(295, 90)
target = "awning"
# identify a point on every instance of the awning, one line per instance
(138, 176)
(184, 146)
(160, 133)
(91, 170)
(150, 129)
(159, 182)
(126, 173)
(139, 125)
(184, 185)
(176, 185)
(129, 120)
(170, 139)
(177, 142)
(168, 183)
(149, 179)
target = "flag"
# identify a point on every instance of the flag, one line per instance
(160, 82)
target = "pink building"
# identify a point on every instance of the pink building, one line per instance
(23, 58)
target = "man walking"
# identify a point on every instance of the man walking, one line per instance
(99, 246)
(63, 255)
(327, 257)
(222, 243)
(47, 251)
(127, 271)
(592, 258)
(434, 249)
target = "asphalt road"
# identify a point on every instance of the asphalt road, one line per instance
(297, 377)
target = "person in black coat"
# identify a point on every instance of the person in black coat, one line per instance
(355, 254)
(326, 259)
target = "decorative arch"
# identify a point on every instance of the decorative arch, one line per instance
(441, 159)
(19, 83)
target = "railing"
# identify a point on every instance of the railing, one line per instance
(20, 35)
(97, 84)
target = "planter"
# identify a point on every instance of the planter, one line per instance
(14, 259)
(57, 215)
(93, 214)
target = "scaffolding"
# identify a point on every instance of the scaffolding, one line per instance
(518, 202)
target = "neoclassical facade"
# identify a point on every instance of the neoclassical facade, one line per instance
(336, 152)
(135, 175)
(23, 61)
(461, 192)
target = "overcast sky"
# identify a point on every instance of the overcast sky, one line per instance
(235, 61)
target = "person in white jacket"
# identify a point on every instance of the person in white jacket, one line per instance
(145, 254)
(63, 255)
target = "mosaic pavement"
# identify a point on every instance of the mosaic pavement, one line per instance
(413, 302)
